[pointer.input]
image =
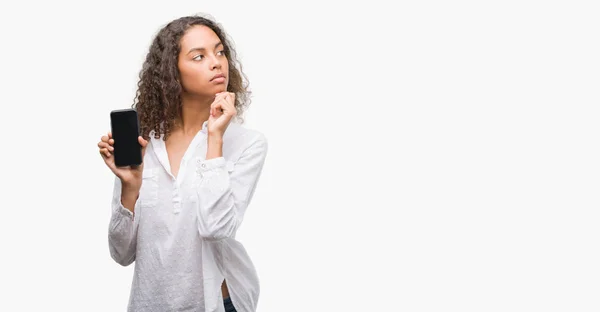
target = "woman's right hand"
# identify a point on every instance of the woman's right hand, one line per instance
(130, 175)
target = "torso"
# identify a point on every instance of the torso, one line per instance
(176, 145)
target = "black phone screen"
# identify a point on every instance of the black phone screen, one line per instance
(125, 132)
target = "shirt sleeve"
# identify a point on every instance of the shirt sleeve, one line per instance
(122, 230)
(224, 194)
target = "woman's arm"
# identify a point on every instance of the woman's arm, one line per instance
(223, 196)
(122, 232)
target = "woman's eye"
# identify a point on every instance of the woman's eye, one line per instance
(197, 57)
(221, 52)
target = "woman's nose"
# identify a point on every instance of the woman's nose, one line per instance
(215, 63)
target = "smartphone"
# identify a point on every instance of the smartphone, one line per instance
(125, 128)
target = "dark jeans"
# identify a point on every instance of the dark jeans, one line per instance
(229, 305)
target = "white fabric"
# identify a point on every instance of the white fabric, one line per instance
(181, 236)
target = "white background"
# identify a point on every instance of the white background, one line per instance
(432, 156)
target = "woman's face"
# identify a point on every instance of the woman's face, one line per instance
(202, 62)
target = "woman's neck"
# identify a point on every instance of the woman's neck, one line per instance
(194, 112)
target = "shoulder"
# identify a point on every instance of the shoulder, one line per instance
(244, 137)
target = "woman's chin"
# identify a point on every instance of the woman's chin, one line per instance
(220, 88)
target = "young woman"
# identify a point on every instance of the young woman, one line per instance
(177, 214)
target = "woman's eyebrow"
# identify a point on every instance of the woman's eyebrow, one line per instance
(203, 49)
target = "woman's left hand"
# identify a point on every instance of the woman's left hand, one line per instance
(222, 111)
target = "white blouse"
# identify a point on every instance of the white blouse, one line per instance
(182, 234)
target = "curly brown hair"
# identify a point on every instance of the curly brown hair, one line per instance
(158, 96)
